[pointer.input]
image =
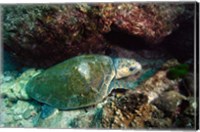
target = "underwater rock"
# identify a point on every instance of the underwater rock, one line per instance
(170, 63)
(191, 104)
(15, 89)
(134, 99)
(49, 34)
(122, 113)
(187, 116)
(68, 119)
(162, 122)
(89, 117)
(187, 85)
(156, 85)
(119, 113)
(115, 116)
(151, 21)
(20, 114)
(16, 111)
(6, 78)
(181, 42)
(139, 112)
(148, 116)
(169, 101)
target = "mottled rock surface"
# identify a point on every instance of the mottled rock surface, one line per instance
(169, 101)
(18, 114)
(49, 34)
(152, 21)
(15, 89)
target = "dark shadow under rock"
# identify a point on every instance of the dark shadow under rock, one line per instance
(181, 42)
(125, 40)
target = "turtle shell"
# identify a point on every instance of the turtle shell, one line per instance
(77, 82)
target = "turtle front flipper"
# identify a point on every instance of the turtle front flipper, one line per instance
(122, 84)
(46, 111)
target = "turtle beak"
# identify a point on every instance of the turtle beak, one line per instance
(139, 67)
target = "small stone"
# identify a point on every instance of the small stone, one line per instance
(25, 123)
(170, 63)
(169, 101)
(7, 78)
(6, 118)
(17, 117)
(20, 107)
(15, 89)
(27, 114)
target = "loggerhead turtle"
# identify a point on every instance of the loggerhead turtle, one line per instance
(80, 81)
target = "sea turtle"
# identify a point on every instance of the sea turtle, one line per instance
(81, 81)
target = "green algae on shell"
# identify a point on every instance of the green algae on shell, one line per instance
(80, 81)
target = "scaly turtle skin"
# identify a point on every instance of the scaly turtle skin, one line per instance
(80, 81)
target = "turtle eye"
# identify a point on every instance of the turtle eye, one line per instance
(131, 68)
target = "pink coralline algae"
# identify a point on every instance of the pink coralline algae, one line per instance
(43, 35)
(152, 21)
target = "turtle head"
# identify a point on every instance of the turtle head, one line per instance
(126, 67)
